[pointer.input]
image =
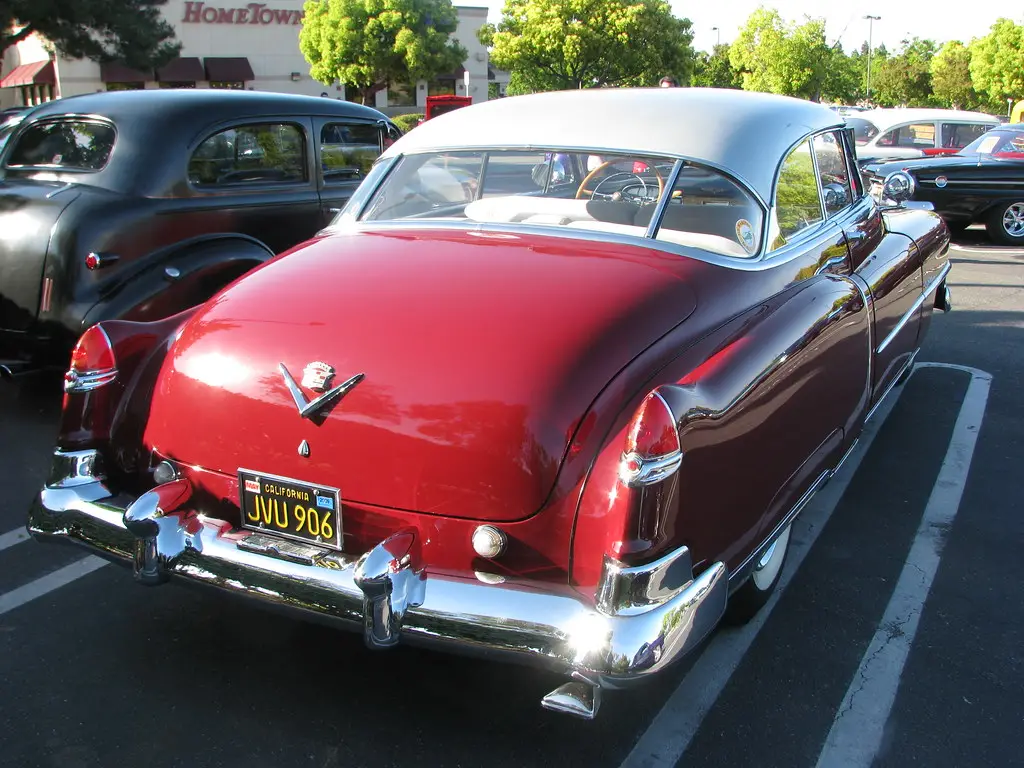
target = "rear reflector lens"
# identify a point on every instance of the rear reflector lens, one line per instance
(92, 362)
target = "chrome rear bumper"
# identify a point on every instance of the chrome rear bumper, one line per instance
(643, 618)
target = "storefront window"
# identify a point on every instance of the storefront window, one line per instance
(178, 84)
(441, 88)
(232, 86)
(125, 86)
(401, 95)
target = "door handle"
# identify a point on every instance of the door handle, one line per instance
(334, 210)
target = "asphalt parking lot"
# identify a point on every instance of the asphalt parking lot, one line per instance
(897, 637)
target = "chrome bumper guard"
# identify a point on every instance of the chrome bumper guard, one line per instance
(644, 617)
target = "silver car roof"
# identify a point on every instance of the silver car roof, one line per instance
(742, 132)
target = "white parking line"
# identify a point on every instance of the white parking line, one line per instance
(670, 733)
(46, 584)
(11, 538)
(856, 732)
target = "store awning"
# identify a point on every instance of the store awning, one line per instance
(229, 69)
(116, 72)
(184, 69)
(36, 73)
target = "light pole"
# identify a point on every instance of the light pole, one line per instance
(871, 21)
(718, 39)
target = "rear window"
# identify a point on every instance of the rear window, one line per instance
(863, 130)
(77, 145)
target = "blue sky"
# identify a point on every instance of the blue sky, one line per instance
(900, 18)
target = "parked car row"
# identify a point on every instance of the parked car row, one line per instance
(983, 183)
(551, 387)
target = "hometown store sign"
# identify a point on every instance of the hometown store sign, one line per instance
(253, 13)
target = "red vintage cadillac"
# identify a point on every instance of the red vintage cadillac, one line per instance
(554, 385)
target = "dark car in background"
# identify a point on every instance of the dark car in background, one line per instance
(139, 204)
(982, 184)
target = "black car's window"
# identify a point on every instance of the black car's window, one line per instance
(915, 136)
(959, 135)
(250, 154)
(797, 203)
(832, 170)
(79, 145)
(863, 130)
(347, 150)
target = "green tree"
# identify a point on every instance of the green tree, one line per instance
(859, 61)
(906, 78)
(777, 57)
(997, 63)
(842, 77)
(951, 77)
(715, 70)
(132, 31)
(371, 44)
(549, 45)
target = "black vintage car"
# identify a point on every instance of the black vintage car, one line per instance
(982, 183)
(140, 204)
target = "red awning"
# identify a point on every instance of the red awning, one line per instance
(115, 72)
(184, 69)
(36, 73)
(228, 69)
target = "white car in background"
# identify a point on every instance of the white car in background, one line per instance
(891, 134)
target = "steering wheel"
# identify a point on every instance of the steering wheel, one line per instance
(583, 184)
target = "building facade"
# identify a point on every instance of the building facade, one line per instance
(233, 44)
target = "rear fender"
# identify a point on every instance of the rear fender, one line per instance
(182, 276)
(761, 404)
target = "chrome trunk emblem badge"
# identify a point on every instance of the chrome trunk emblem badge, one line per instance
(304, 449)
(316, 375)
(321, 372)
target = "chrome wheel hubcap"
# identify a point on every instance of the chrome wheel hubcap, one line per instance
(768, 567)
(1013, 220)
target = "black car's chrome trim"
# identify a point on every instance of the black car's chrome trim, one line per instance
(936, 281)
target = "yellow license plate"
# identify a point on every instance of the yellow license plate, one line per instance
(290, 508)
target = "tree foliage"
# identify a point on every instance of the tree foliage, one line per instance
(777, 57)
(371, 44)
(714, 70)
(905, 80)
(951, 77)
(550, 45)
(132, 31)
(997, 62)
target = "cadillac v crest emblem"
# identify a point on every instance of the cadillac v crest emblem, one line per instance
(316, 376)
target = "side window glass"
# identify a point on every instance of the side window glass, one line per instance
(348, 150)
(797, 204)
(833, 171)
(250, 154)
(959, 135)
(916, 136)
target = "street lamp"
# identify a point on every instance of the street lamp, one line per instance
(871, 21)
(718, 40)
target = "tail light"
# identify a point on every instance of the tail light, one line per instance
(647, 481)
(652, 450)
(93, 364)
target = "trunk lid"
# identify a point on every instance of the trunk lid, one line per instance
(481, 353)
(28, 212)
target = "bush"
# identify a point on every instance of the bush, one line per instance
(407, 122)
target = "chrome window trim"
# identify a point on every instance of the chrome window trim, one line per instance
(663, 201)
(935, 283)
